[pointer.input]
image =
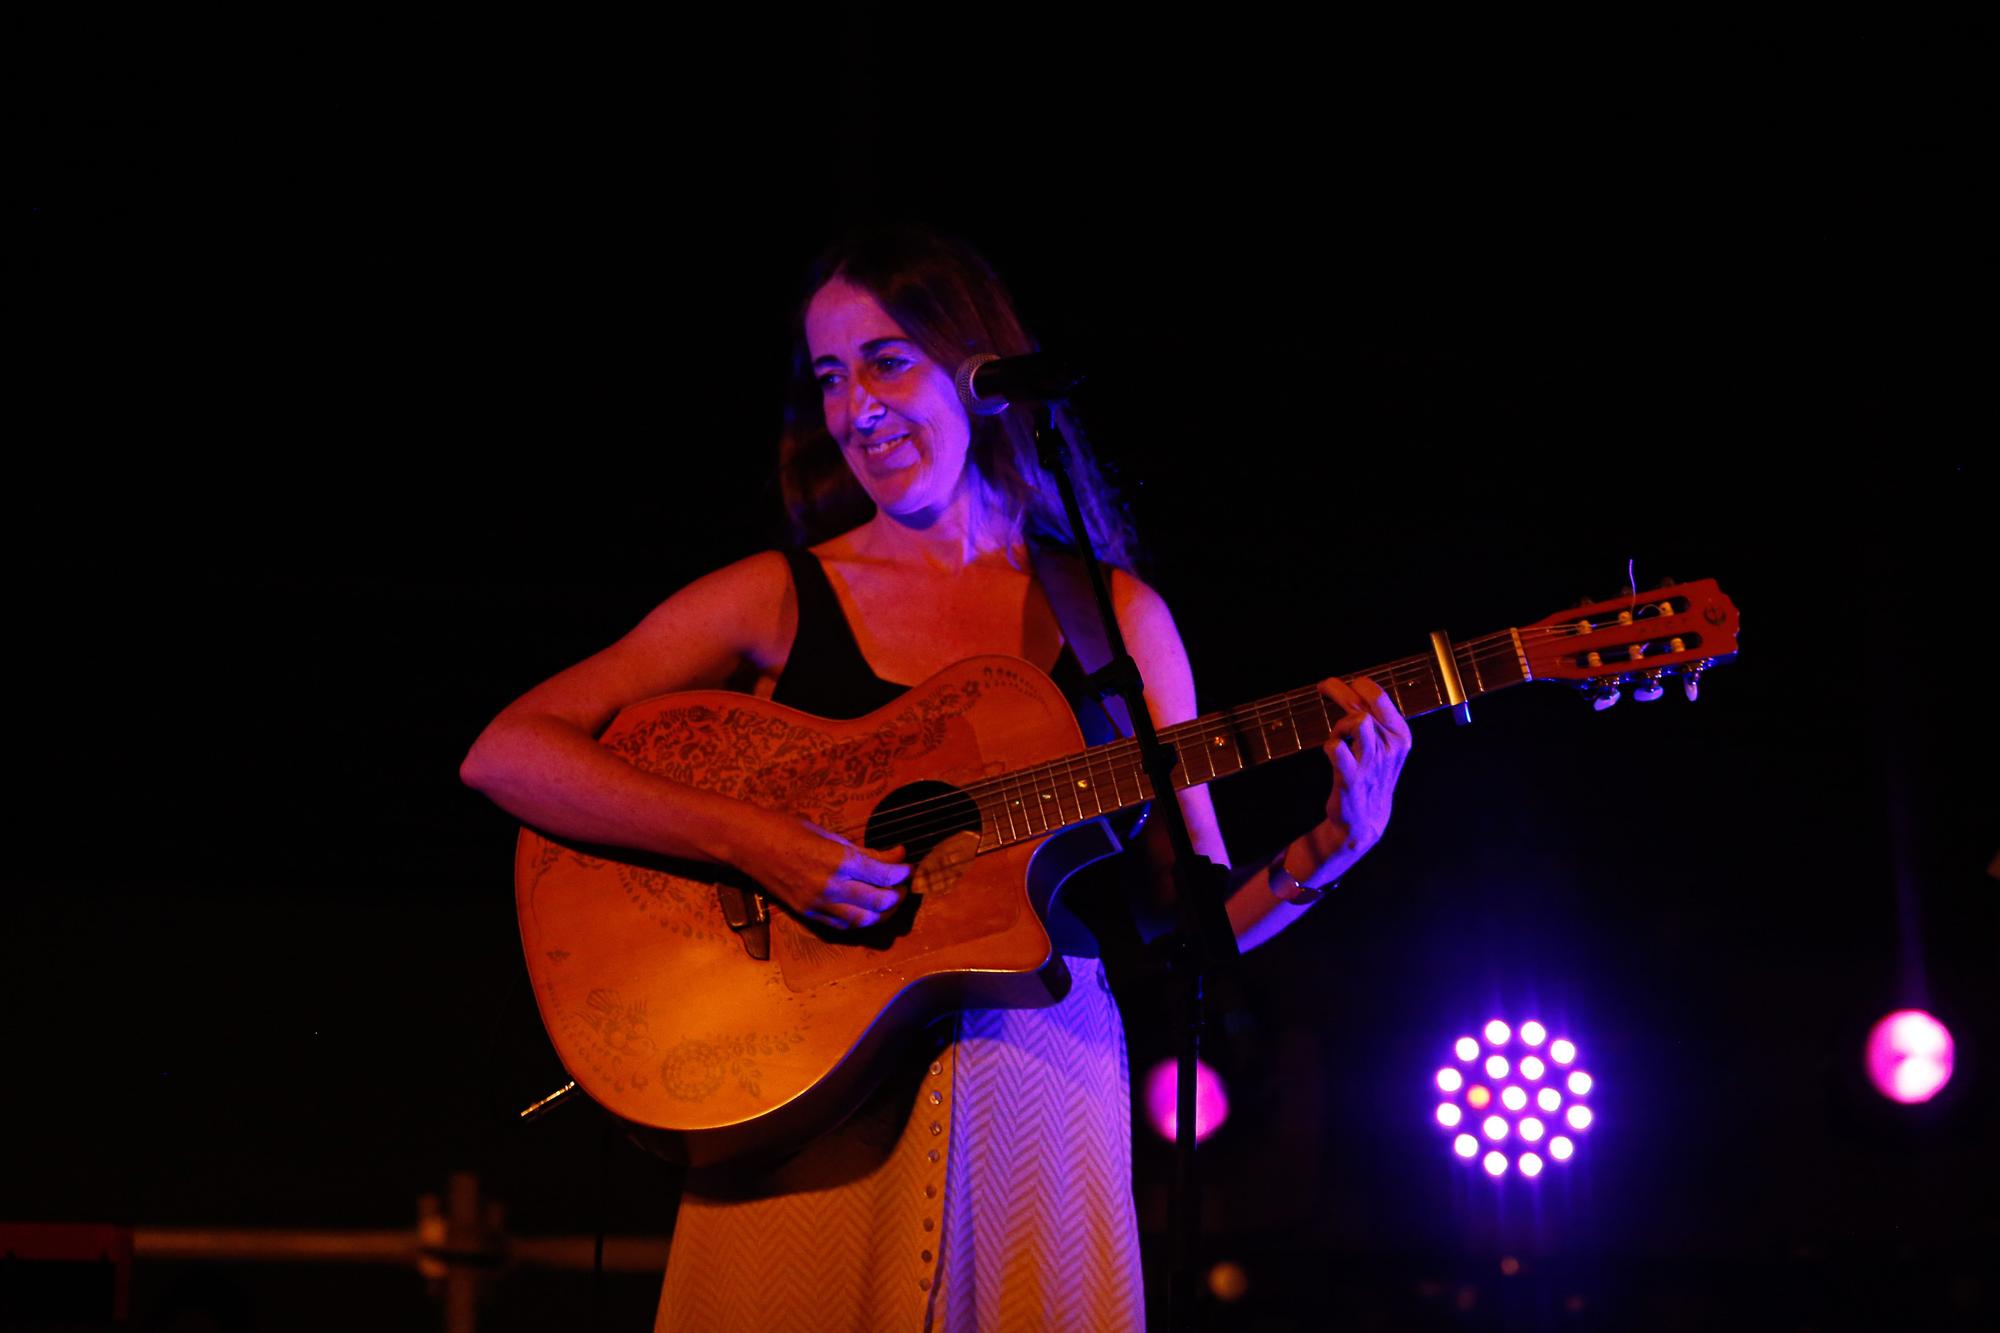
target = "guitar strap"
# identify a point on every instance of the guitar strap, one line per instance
(1066, 584)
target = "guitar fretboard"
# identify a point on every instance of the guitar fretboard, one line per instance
(1046, 798)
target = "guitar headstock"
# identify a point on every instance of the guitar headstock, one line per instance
(1635, 641)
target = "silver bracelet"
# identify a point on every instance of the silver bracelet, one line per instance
(1301, 895)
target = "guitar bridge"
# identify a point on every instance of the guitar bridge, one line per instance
(749, 917)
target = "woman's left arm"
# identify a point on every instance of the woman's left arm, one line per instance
(1370, 742)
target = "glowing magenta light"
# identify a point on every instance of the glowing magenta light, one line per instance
(1465, 1146)
(1532, 1033)
(1449, 1080)
(1579, 1083)
(1548, 1099)
(1532, 1068)
(1495, 1127)
(1531, 1129)
(1579, 1117)
(1497, 1033)
(1449, 1115)
(1496, 1164)
(1513, 1098)
(1211, 1102)
(1560, 1148)
(1909, 1056)
(1496, 1066)
(1562, 1050)
(1531, 1165)
(1466, 1049)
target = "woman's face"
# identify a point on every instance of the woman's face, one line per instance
(892, 410)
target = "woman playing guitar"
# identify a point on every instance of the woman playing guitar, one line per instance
(989, 1182)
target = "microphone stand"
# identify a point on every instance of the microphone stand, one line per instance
(1205, 939)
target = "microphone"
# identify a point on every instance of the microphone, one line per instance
(988, 384)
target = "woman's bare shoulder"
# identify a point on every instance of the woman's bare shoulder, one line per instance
(745, 609)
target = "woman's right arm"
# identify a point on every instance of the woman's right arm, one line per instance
(539, 760)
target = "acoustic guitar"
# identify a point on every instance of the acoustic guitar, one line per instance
(684, 1001)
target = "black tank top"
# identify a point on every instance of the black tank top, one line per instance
(826, 675)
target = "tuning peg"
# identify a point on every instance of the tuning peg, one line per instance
(1650, 688)
(1691, 684)
(1603, 694)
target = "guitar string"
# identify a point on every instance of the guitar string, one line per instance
(1116, 759)
(1120, 757)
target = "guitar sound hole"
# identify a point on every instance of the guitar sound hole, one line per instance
(917, 818)
(920, 816)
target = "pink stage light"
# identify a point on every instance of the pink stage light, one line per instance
(1496, 1066)
(1532, 1068)
(1467, 1049)
(1465, 1146)
(1531, 1165)
(1909, 1056)
(1560, 1148)
(1496, 1164)
(1562, 1050)
(1579, 1083)
(1211, 1102)
(1579, 1117)
(1513, 1098)
(1495, 1127)
(1497, 1033)
(1532, 1033)
(1531, 1129)
(1449, 1115)
(1548, 1099)
(1450, 1080)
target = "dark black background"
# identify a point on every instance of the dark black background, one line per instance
(353, 411)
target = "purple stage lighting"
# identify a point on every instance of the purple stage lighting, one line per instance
(1495, 1117)
(1211, 1103)
(1909, 1056)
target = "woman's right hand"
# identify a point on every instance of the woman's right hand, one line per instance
(819, 874)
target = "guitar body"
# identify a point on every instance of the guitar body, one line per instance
(661, 1011)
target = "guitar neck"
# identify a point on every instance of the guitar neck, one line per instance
(1043, 799)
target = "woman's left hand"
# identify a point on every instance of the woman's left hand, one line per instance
(1370, 741)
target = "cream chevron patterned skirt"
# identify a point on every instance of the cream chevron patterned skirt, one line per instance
(989, 1187)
